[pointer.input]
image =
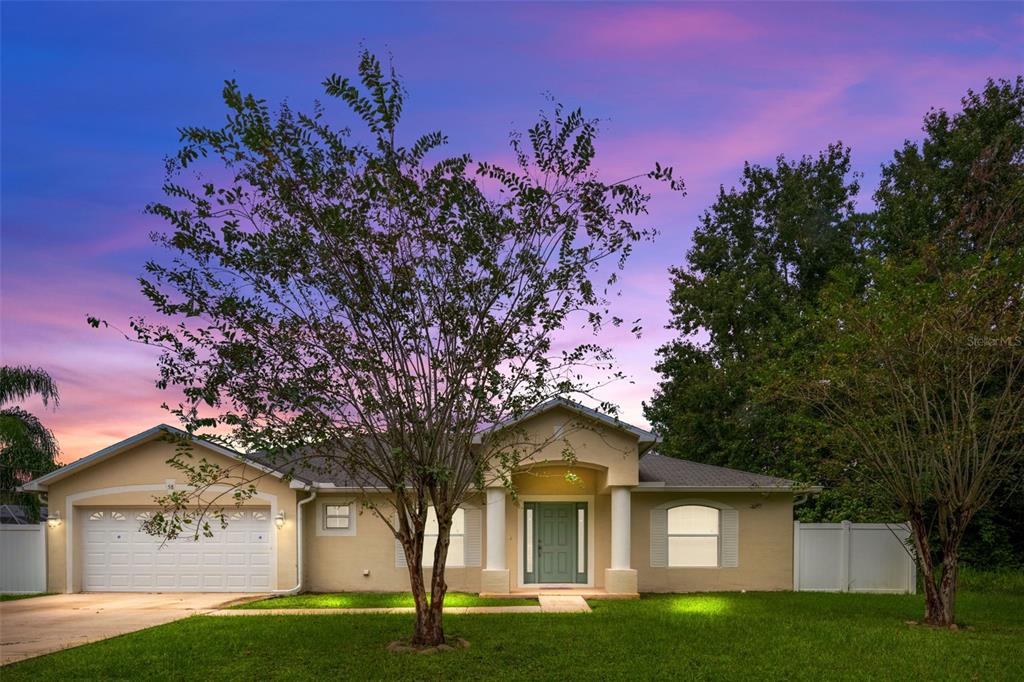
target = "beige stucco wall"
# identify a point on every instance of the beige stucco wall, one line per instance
(145, 465)
(606, 457)
(765, 545)
(610, 449)
(336, 563)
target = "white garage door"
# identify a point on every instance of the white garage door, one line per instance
(119, 557)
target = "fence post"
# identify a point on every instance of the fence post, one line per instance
(45, 555)
(912, 568)
(844, 557)
(796, 556)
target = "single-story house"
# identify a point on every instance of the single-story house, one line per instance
(622, 519)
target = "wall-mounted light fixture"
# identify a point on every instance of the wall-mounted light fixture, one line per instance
(54, 519)
(279, 519)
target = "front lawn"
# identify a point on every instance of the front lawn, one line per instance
(374, 600)
(13, 597)
(802, 636)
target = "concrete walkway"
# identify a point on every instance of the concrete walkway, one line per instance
(548, 604)
(42, 625)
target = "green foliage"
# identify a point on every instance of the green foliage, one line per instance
(27, 448)
(1009, 581)
(962, 181)
(949, 204)
(917, 368)
(760, 257)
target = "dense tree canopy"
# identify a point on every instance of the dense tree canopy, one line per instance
(761, 255)
(892, 372)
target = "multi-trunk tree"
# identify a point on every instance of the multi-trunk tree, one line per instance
(917, 367)
(350, 301)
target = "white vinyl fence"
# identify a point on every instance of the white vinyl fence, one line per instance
(852, 557)
(22, 558)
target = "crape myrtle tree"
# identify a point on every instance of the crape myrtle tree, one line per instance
(346, 301)
(916, 364)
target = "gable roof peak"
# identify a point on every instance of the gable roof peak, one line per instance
(644, 437)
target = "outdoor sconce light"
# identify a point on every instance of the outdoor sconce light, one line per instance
(279, 520)
(54, 520)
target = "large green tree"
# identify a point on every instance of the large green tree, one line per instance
(760, 257)
(369, 306)
(909, 361)
(27, 448)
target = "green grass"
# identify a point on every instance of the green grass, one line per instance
(801, 636)
(374, 600)
(13, 597)
(997, 580)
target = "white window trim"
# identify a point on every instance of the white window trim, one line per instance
(428, 558)
(717, 536)
(321, 517)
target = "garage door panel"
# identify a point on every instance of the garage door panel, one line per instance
(118, 556)
(119, 581)
(188, 558)
(165, 559)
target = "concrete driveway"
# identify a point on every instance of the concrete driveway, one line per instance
(41, 625)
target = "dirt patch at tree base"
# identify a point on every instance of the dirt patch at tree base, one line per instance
(402, 647)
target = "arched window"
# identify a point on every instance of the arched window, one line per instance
(694, 534)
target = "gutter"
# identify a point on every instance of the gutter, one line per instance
(298, 547)
(657, 487)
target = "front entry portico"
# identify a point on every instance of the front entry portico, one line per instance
(555, 543)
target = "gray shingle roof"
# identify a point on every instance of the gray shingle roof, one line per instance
(673, 472)
(308, 468)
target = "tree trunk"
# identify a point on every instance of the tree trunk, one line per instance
(429, 628)
(943, 611)
(939, 595)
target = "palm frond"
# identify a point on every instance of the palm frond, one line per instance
(19, 383)
(27, 448)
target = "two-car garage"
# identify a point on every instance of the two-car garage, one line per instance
(99, 503)
(117, 556)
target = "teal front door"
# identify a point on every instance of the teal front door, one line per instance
(559, 542)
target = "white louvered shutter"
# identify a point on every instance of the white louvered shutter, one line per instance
(474, 520)
(730, 538)
(659, 538)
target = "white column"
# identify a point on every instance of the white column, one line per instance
(496, 529)
(620, 527)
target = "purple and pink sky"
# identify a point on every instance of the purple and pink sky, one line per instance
(92, 95)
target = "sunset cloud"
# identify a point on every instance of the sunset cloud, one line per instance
(702, 87)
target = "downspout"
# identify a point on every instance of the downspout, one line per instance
(298, 547)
